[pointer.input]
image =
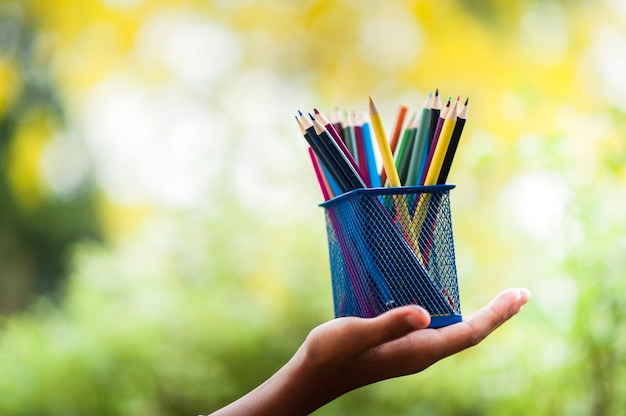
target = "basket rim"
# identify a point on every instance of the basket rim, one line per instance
(400, 190)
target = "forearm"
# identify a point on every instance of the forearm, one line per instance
(297, 388)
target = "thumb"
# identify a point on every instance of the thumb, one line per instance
(393, 324)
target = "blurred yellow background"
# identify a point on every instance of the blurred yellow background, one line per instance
(161, 247)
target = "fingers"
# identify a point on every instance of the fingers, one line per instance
(392, 324)
(506, 304)
(473, 330)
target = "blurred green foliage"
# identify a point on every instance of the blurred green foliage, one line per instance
(38, 228)
(145, 272)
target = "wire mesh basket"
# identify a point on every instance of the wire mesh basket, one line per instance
(390, 247)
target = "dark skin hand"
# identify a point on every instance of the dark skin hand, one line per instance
(347, 353)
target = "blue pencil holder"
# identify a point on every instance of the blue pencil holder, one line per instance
(390, 247)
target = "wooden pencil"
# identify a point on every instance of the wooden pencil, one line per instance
(335, 135)
(433, 144)
(395, 135)
(420, 147)
(360, 148)
(337, 123)
(320, 150)
(372, 168)
(403, 156)
(383, 145)
(354, 179)
(321, 179)
(454, 143)
(442, 146)
(434, 116)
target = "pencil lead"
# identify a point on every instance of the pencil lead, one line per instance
(311, 116)
(315, 110)
(300, 113)
(466, 100)
(436, 92)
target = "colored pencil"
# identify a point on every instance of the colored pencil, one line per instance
(372, 168)
(337, 123)
(321, 179)
(442, 146)
(360, 148)
(434, 116)
(433, 144)
(348, 157)
(348, 134)
(395, 135)
(341, 160)
(330, 183)
(325, 157)
(335, 135)
(403, 154)
(383, 145)
(454, 143)
(420, 147)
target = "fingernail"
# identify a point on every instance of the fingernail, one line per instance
(417, 321)
(525, 293)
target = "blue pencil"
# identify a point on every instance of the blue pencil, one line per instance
(372, 170)
(331, 181)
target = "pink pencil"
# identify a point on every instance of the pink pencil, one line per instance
(360, 147)
(321, 179)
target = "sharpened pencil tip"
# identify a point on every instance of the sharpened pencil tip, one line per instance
(311, 116)
(466, 100)
(373, 109)
(436, 92)
(316, 111)
(300, 113)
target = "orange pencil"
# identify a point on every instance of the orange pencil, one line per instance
(395, 136)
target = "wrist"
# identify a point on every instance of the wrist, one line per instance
(304, 384)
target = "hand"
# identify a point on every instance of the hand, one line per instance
(347, 353)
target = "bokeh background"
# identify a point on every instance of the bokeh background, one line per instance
(161, 247)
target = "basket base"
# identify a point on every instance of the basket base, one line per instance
(441, 321)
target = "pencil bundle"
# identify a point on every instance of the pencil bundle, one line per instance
(420, 150)
(390, 239)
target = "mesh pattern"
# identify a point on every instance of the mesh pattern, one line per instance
(390, 247)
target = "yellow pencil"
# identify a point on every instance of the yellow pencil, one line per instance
(442, 146)
(383, 144)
